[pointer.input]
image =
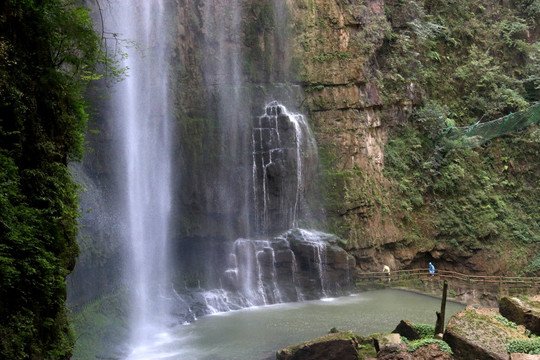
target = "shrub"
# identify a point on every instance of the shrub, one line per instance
(425, 331)
(443, 346)
(523, 346)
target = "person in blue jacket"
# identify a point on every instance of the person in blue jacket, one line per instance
(431, 269)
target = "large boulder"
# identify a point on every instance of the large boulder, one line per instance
(392, 348)
(337, 346)
(431, 352)
(522, 312)
(478, 334)
(407, 330)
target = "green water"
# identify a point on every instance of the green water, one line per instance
(257, 333)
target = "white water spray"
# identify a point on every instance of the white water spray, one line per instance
(143, 119)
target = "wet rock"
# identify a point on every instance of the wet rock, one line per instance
(522, 312)
(284, 166)
(338, 346)
(296, 265)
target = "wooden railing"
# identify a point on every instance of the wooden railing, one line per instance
(423, 274)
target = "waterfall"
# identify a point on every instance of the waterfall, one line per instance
(224, 82)
(266, 164)
(144, 124)
(245, 179)
(284, 162)
(314, 240)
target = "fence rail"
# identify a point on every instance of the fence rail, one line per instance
(423, 274)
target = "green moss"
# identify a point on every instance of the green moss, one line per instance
(443, 346)
(424, 330)
(523, 346)
(100, 326)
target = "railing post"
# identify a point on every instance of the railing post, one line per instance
(439, 325)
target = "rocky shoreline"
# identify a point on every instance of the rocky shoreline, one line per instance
(509, 332)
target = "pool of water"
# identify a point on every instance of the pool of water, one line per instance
(257, 333)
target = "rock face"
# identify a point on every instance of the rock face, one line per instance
(476, 334)
(285, 162)
(339, 346)
(326, 48)
(349, 114)
(297, 265)
(522, 312)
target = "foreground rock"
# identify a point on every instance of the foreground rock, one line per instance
(347, 346)
(338, 346)
(406, 329)
(522, 312)
(477, 334)
(399, 352)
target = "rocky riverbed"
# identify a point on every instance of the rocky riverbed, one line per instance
(508, 332)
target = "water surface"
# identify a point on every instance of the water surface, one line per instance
(257, 333)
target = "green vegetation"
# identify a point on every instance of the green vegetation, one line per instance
(443, 346)
(450, 64)
(506, 322)
(524, 346)
(48, 52)
(426, 333)
(470, 62)
(100, 326)
(424, 330)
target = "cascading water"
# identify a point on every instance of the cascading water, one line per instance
(264, 173)
(284, 151)
(223, 76)
(143, 119)
(294, 266)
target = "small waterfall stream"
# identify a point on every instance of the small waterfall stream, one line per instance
(285, 160)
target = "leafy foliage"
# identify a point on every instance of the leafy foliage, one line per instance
(471, 61)
(524, 346)
(48, 49)
(415, 345)
(424, 330)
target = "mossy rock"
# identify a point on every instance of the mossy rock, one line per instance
(476, 333)
(341, 345)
